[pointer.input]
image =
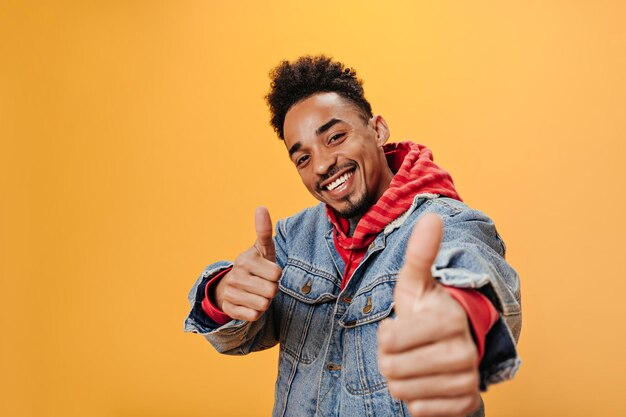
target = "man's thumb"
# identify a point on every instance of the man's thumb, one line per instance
(415, 277)
(263, 225)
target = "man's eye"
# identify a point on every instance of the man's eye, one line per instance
(302, 160)
(336, 137)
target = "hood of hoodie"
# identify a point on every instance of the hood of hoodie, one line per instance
(415, 172)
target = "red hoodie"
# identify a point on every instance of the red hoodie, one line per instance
(414, 173)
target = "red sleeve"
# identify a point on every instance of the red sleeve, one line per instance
(481, 313)
(208, 306)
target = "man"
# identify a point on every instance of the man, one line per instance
(391, 297)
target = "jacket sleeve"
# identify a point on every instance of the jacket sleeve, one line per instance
(472, 256)
(235, 337)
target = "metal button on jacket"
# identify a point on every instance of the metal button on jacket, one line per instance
(333, 367)
(368, 307)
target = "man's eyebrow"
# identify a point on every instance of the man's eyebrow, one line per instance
(323, 128)
(294, 148)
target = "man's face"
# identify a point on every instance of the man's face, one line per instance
(337, 153)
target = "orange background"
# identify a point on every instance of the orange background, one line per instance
(135, 145)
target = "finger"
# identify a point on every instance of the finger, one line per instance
(459, 406)
(252, 264)
(415, 278)
(395, 336)
(242, 298)
(263, 225)
(435, 386)
(257, 285)
(241, 313)
(450, 356)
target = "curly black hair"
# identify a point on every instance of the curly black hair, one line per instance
(297, 80)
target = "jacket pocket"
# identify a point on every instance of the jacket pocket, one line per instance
(368, 307)
(307, 309)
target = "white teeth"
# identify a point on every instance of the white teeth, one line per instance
(338, 181)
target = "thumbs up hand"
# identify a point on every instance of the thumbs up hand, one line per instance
(427, 353)
(247, 290)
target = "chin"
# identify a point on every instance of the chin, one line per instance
(356, 209)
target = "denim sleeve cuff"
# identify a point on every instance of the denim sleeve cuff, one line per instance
(197, 320)
(481, 314)
(208, 306)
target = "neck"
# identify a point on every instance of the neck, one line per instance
(353, 222)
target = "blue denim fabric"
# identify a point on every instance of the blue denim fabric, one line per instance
(328, 348)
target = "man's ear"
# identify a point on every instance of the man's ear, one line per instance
(379, 124)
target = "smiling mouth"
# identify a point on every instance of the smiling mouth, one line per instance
(339, 181)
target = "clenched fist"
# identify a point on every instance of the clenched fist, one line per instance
(247, 290)
(427, 353)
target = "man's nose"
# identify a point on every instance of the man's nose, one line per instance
(323, 162)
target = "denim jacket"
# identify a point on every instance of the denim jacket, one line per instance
(328, 346)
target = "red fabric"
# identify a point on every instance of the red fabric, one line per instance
(415, 173)
(208, 306)
(480, 312)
